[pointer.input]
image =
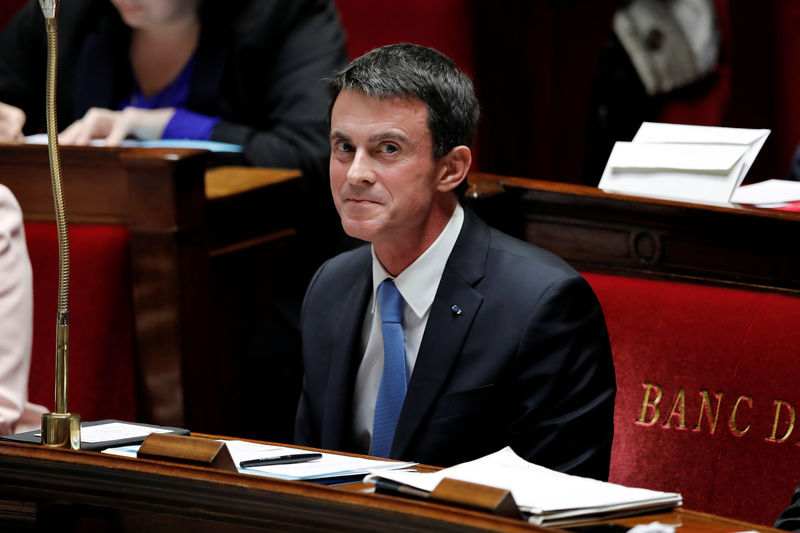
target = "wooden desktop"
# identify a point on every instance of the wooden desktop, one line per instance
(91, 491)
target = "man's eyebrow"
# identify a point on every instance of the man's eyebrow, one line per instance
(387, 136)
(384, 136)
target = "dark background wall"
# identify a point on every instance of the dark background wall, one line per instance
(533, 63)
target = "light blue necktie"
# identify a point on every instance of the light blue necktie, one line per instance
(392, 390)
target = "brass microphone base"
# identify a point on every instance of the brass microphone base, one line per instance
(61, 430)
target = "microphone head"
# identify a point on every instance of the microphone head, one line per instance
(49, 8)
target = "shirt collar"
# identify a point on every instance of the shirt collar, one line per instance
(420, 280)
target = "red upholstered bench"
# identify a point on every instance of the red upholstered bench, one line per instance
(101, 364)
(707, 398)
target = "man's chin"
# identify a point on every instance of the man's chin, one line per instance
(366, 230)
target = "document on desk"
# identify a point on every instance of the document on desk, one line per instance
(768, 193)
(545, 497)
(213, 146)
(331, 467)
(102, 434)
(701, 164)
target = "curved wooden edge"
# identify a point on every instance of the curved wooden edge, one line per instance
(224, 182)
(485, 184)
(196, 492)
(688, 521)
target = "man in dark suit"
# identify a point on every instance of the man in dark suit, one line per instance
(502, 343)
(790, 517)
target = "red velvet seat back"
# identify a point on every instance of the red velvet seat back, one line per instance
(101, 366)
(444, 24)
(707, 380)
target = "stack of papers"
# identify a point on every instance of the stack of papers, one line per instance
(101, 434)
(330, 468)
(691, 163)
(545, 497)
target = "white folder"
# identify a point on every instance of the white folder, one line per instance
(691, 163)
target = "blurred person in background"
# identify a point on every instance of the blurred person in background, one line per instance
(246, 72)
(658, 49)
(16, 321)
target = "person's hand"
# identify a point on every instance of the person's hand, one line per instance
(11, 121)
(114, 126)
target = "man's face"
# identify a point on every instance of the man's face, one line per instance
(383, 175)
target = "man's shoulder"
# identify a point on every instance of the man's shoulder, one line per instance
(336, 278)
(345, 267)
(520, 254)
(530, 270)
(486, 253)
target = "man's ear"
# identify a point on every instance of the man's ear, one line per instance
(456, 166)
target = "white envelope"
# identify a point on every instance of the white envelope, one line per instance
(692, 163)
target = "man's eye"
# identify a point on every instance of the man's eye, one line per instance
(389, 148)
(343, 146)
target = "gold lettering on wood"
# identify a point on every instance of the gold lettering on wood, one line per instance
(678, 408)
(648, 403)
(778, 404)
(732, 424)
(705, 407)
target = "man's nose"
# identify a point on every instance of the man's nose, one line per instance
(361, 169)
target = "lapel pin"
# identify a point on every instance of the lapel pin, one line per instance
(456, 309)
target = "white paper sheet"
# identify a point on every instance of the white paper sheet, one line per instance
(545, 493)
(117, 431)
(767, 192)
(331, 465)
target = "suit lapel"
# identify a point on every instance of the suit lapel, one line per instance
(446, 330)
(337, 419)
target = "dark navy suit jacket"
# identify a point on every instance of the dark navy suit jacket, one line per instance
(527, 363)
(790, 517)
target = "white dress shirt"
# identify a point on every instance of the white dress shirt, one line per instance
(417, 285)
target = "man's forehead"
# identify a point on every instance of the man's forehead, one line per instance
(359, 99)
(356, 109)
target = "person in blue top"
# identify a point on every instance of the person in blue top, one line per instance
(246, 72)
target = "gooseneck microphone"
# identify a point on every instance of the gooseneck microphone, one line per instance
(60, 428)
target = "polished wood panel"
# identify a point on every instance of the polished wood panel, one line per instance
(224, 182)
(73, 491)
(604, 232)
(188, 235)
